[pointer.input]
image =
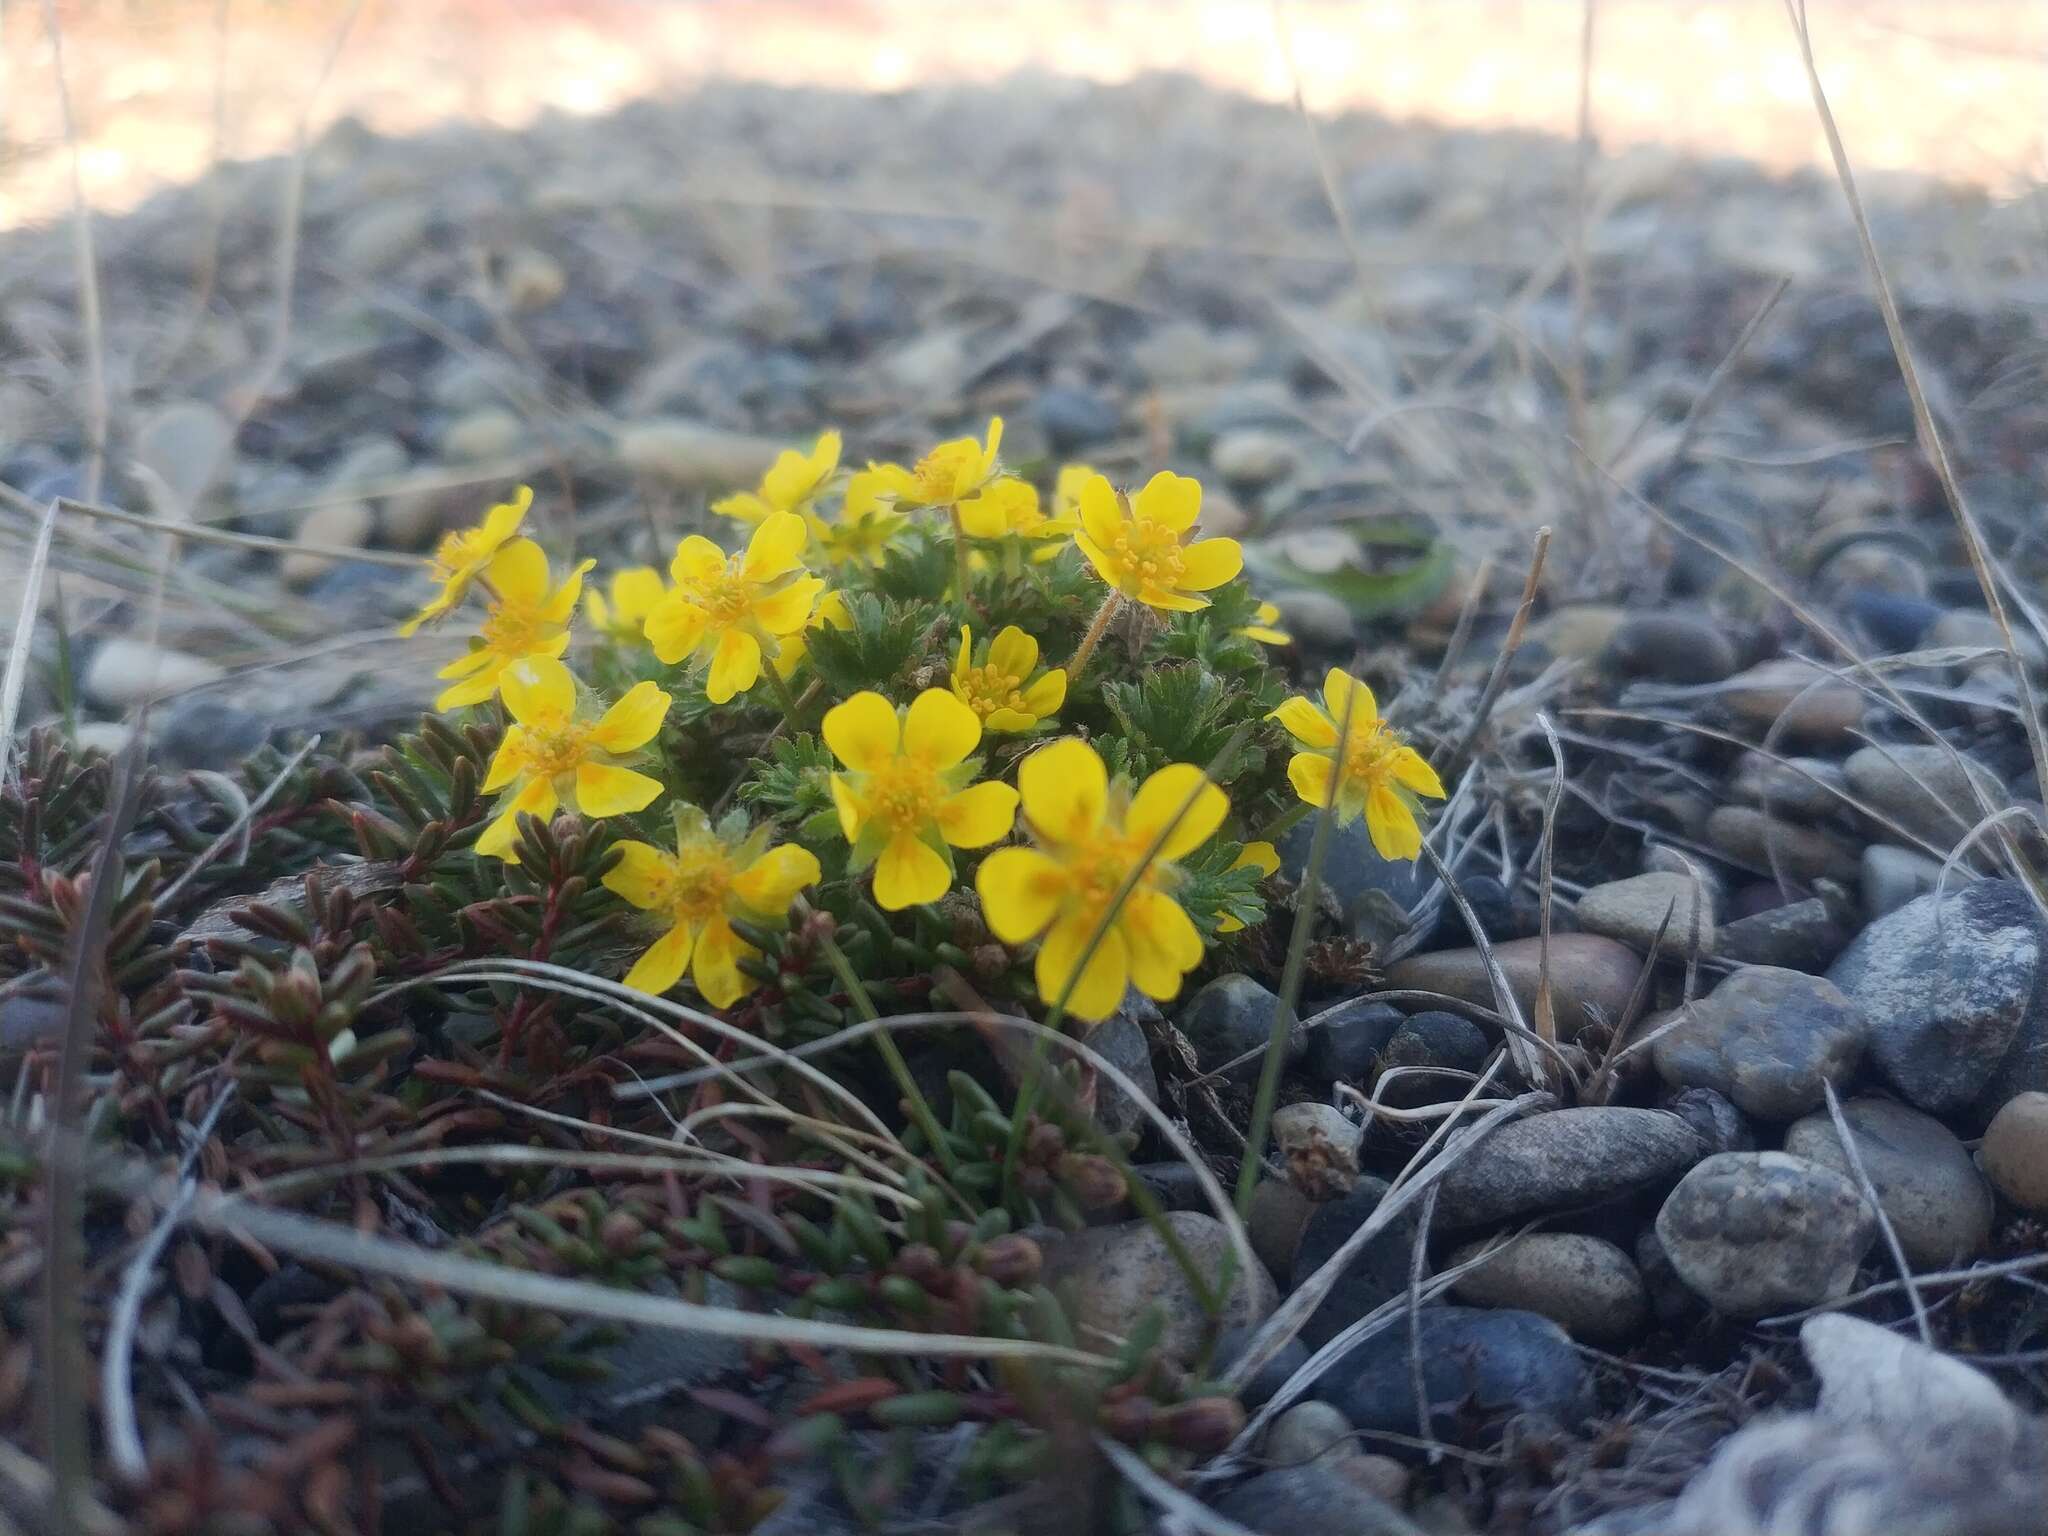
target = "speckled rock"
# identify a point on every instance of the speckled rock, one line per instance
(1927, 1187)
(1768, 843)
(1591, 977)
(1926, 789)
(1585, 1285)
(1112, 1275)
(1633, 911)
(1765, 1037)
(1756, 1233)
(1565, 1160)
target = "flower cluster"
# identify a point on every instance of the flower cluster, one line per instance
(896, 761)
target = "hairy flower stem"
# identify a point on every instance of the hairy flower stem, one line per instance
(1097, 627)
(960, 571)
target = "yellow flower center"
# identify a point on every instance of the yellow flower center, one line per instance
(1150, 552)
(513, 629)
(1097, 871)
(986, 689)
(548, 751)
(903, 794)
(456, 551)
(726, 597)
(1368, 755)
(946, 471)
(696, 888)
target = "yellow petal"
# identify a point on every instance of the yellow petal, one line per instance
(1154, 596)
(735, 666)
(1181, 797)
(632, 722)
(776, 547)
(1262, 856)
(795, 477)
(675, 627)
(1013, 653)
(1412, 771)
(978, 815)
(1309, 773)
(604, 790)
(940, 729)
(1338, 686)
(539, 691)
(642, 874)
(664, 963)
(995, 444)
(848, 806)
(1163, 941)
(697, 560)
(1044, 697)
(1064, 788)
(982, 518)
(635, 591)
(1008, 722)
(1091, 994)
(1208, 563)
(518, 573)
(1020, 891)
(788, 609)
(561, 602)
(506, 761)
(1306, 723)
(743, 506)
(771, 882)
(473, 689)
(1170, 500)
(908, 873)
(1102, 516)
(503, 520)
(499, 838)
(1392, 825)
(717, 971)
(862, 731)
(470, 661)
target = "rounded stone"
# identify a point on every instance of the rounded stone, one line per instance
(1720, 1126)
(1565, 1160)
(1770, 844)
(1755, 1233)
(1929, 790)
(482, 435)
(1674, 647)
(1634, 911)
(1927, 1187)
(1440, 1052)
(1585, 1285)
(1765, 1037)
(1306, 1431)
(1278, 1213)
(126, 670)
(1112, 1276)
(1805, 703)
(1231, 1017)
(1379, 1271)
(2015, 1152)
(335, 525)
(1345, 1041)
(1252, 456)
(1591, 977)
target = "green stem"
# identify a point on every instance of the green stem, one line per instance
(1282, 824)
(783, 695)
(920, 1107)
(960, 571)
(1097, 627)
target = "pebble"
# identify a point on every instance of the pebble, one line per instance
(108, 736)
(1894, 622)
(531, 280)
(207, 732)
(1074, 418)
(384, 232)
(1672, 1301)
(1306, 1431)
(1345, 1041)
(1275, 1220)
(1672, 647)
(1578, 632)
(1479, 1367)
(1634, 910)
(2015, 1152)
(125, 670)
(693, 455)
(1565, 1160)
(1319, 1148)
(1591, 977)
(1314, 1499)
(1585, 1285)
(1971, 627)
(1720, 1126)
(1252, 457)
(1798, 936)
(1767, 1038)
(185, 446)
(1432, 1039)
(1813, 706)
(1787, 848)
(1757, 1233)
(1793, 786)
(369, 464)
(1891, 877)
(1926, 789)
(1269, 1378)
(1232, 1015)
(1113, 1275)
(483, 435)
(1316, 619)
(1379, 1271)
(1947, 994)
(1120, 1040)
(336, 525)
(1927, 1187)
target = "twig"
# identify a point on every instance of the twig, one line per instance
(117, 1387)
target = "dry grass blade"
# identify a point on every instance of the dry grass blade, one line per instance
(1524, 1044)
(16, 681)
(1854, 1155)
(239, 827)
(1546, 1008)
(1497, 678)
(89, 315)
(1931, 441)
(200, 534)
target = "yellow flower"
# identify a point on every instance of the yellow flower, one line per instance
(1007, 508)
(1374, 771)
(714, 875)
(1066, 491)
(1263, 857)
(829, 614)
(730, 609)
(866, 522)
(549, 757)
(955, 470)
(1091, 840)
(907, 799)
(790, 485)
(634, 592)
(524, 617)
(462, 556)
(1135, 544)
(1001, 690)
(1263, 631)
